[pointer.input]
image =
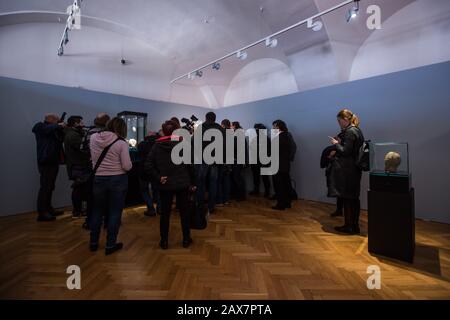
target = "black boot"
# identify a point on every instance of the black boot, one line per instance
(116, 247)
(337, 214)
(187, 243)
(164, 244)
(44, 217)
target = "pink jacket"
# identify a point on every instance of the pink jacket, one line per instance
(117, 160)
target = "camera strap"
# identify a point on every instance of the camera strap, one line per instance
(103, 155)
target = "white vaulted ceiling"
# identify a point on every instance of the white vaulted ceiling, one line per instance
(162, 39)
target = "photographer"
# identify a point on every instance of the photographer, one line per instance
(78, 164)
(49, 156)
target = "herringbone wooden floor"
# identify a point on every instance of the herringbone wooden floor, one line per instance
(247, 252)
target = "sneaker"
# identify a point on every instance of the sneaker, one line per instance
(116, 247)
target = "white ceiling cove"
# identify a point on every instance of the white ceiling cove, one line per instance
(161, 39)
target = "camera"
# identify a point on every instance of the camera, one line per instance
(189, 123)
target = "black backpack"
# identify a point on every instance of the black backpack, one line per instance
(363, 158)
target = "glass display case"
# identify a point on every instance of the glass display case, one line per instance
(389, 158)
(389, 167)
(136, 126)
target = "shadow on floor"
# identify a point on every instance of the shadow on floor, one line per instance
(426, 261)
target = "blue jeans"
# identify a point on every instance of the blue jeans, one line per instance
(201, 173)
(224, 184)
(109, 197)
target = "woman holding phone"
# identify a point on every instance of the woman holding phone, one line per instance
(345, 175)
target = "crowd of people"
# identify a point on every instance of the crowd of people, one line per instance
(98, 159)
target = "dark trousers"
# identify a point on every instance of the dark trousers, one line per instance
(166, 208)
(48, 175)
(146, 194)
(256, 172)
(282, 185)
(340, 205)
(81, 186)
(109, 198)
(238, 182)
(352, 208)
(223, 184)
(203, 171)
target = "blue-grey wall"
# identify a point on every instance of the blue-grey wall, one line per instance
(410, 106)
(23, 103)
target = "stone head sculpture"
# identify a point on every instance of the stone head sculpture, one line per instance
(392, 161)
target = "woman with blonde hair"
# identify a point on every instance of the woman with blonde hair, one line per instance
(345, 175)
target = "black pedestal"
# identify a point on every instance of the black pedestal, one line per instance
(391, 224)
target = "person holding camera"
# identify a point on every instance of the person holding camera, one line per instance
(49, 150)
(78, 164)
(172, 180)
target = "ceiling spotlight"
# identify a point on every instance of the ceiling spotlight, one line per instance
(66, 37)
(271, 43)
(316, 26)
(353, 12)
(199, 73)
(216, 66)
(191, 76)
(241, 55)
(60, 51)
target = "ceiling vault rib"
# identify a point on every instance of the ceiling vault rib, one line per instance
(267, 37)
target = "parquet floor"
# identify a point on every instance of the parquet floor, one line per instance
(247, 252)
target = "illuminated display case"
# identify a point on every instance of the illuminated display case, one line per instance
(390, 158)
(136, 126)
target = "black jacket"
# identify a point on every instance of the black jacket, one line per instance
(48, 143)
(285, 152)
(205, 126)
(344, 175)
(144, 148)
(159, 164)
(75, 155)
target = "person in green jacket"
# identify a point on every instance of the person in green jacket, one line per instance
(78, 165)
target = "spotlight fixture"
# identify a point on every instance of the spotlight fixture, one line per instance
(271, 43)
(216, 66)
(199, 73)
(241, 55)
(315, 26)
(73, 10)
(353, 12)
(66, 37)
